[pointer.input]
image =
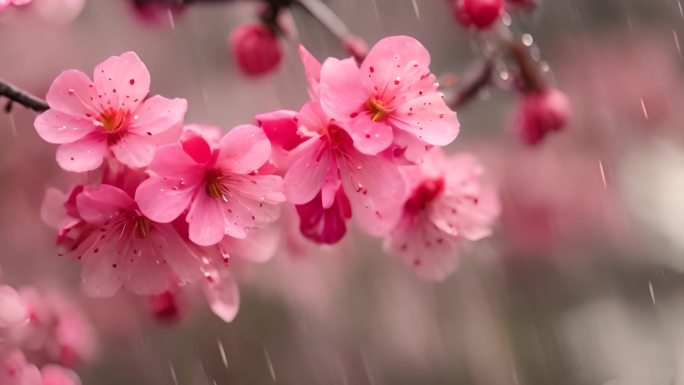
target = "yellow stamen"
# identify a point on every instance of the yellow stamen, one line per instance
(143, 227)
(377, 110)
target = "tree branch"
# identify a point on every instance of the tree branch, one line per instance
(474, 86)
(16, 95)
(321, 12)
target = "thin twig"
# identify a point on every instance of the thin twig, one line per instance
(16, 95)
(329, 19)
(474, 86)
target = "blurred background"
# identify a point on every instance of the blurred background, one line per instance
(581, 284)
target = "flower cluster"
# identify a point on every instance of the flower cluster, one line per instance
(50, 330)
(174, 203)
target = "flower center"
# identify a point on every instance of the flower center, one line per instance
(111, 120)
(377, 109)
(142, 227)
(425, 193)
(214, 187)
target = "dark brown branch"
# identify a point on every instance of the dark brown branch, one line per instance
(530, 73)
(16, 95)
(474, 86)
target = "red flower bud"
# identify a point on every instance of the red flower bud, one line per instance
(256, 49)
(479, 13)
(541, 112)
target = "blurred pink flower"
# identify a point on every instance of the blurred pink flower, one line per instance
(219, 185)
(478, 13)
(450, 205)
(15, 370)
(90, 118)
(57, 375)
(6, 3)
(166, 306)
(540, 113)
(12, 309)
(256, 48)
(392, 91)
(57, 329)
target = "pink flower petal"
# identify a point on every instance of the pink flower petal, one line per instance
(97, 205)
(375, 189)
(12, 309)
(259, 246)
(86, 154)
(312, 70)
(172, 161)
(369, 137)
(325, 224)
(123, 81)
(424, 248)
(428, 118)
(244, 149)
(342, 91)
(196, 146)
(157, 115)
(392, 57)
(143, 269)
(222, 294)
(281, 128)
(180, 255)
(206, 221)
(306, 176)
(57, 127)
(99, 276)
(134, 150)
(163, 200)
(58, 375)
(72, 93)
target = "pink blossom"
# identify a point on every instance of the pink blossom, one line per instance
(57, 375)
(478, 13)
(119, 246)
(57, 329)
(90, 118)
(327, 177)
(449, 206)
(540, 113)
(219, 184)
(12, 309)
(392, 92)
(15, 370)
(6, 3)
(256, 48)
(328, 162)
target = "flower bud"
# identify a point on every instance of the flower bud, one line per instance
(478, 13)
(541, 112)
(256, 49)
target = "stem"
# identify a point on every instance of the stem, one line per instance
(16, 95)
(529, 70)
(473, 87)
(321, 12)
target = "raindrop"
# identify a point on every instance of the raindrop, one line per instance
(527, 39)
